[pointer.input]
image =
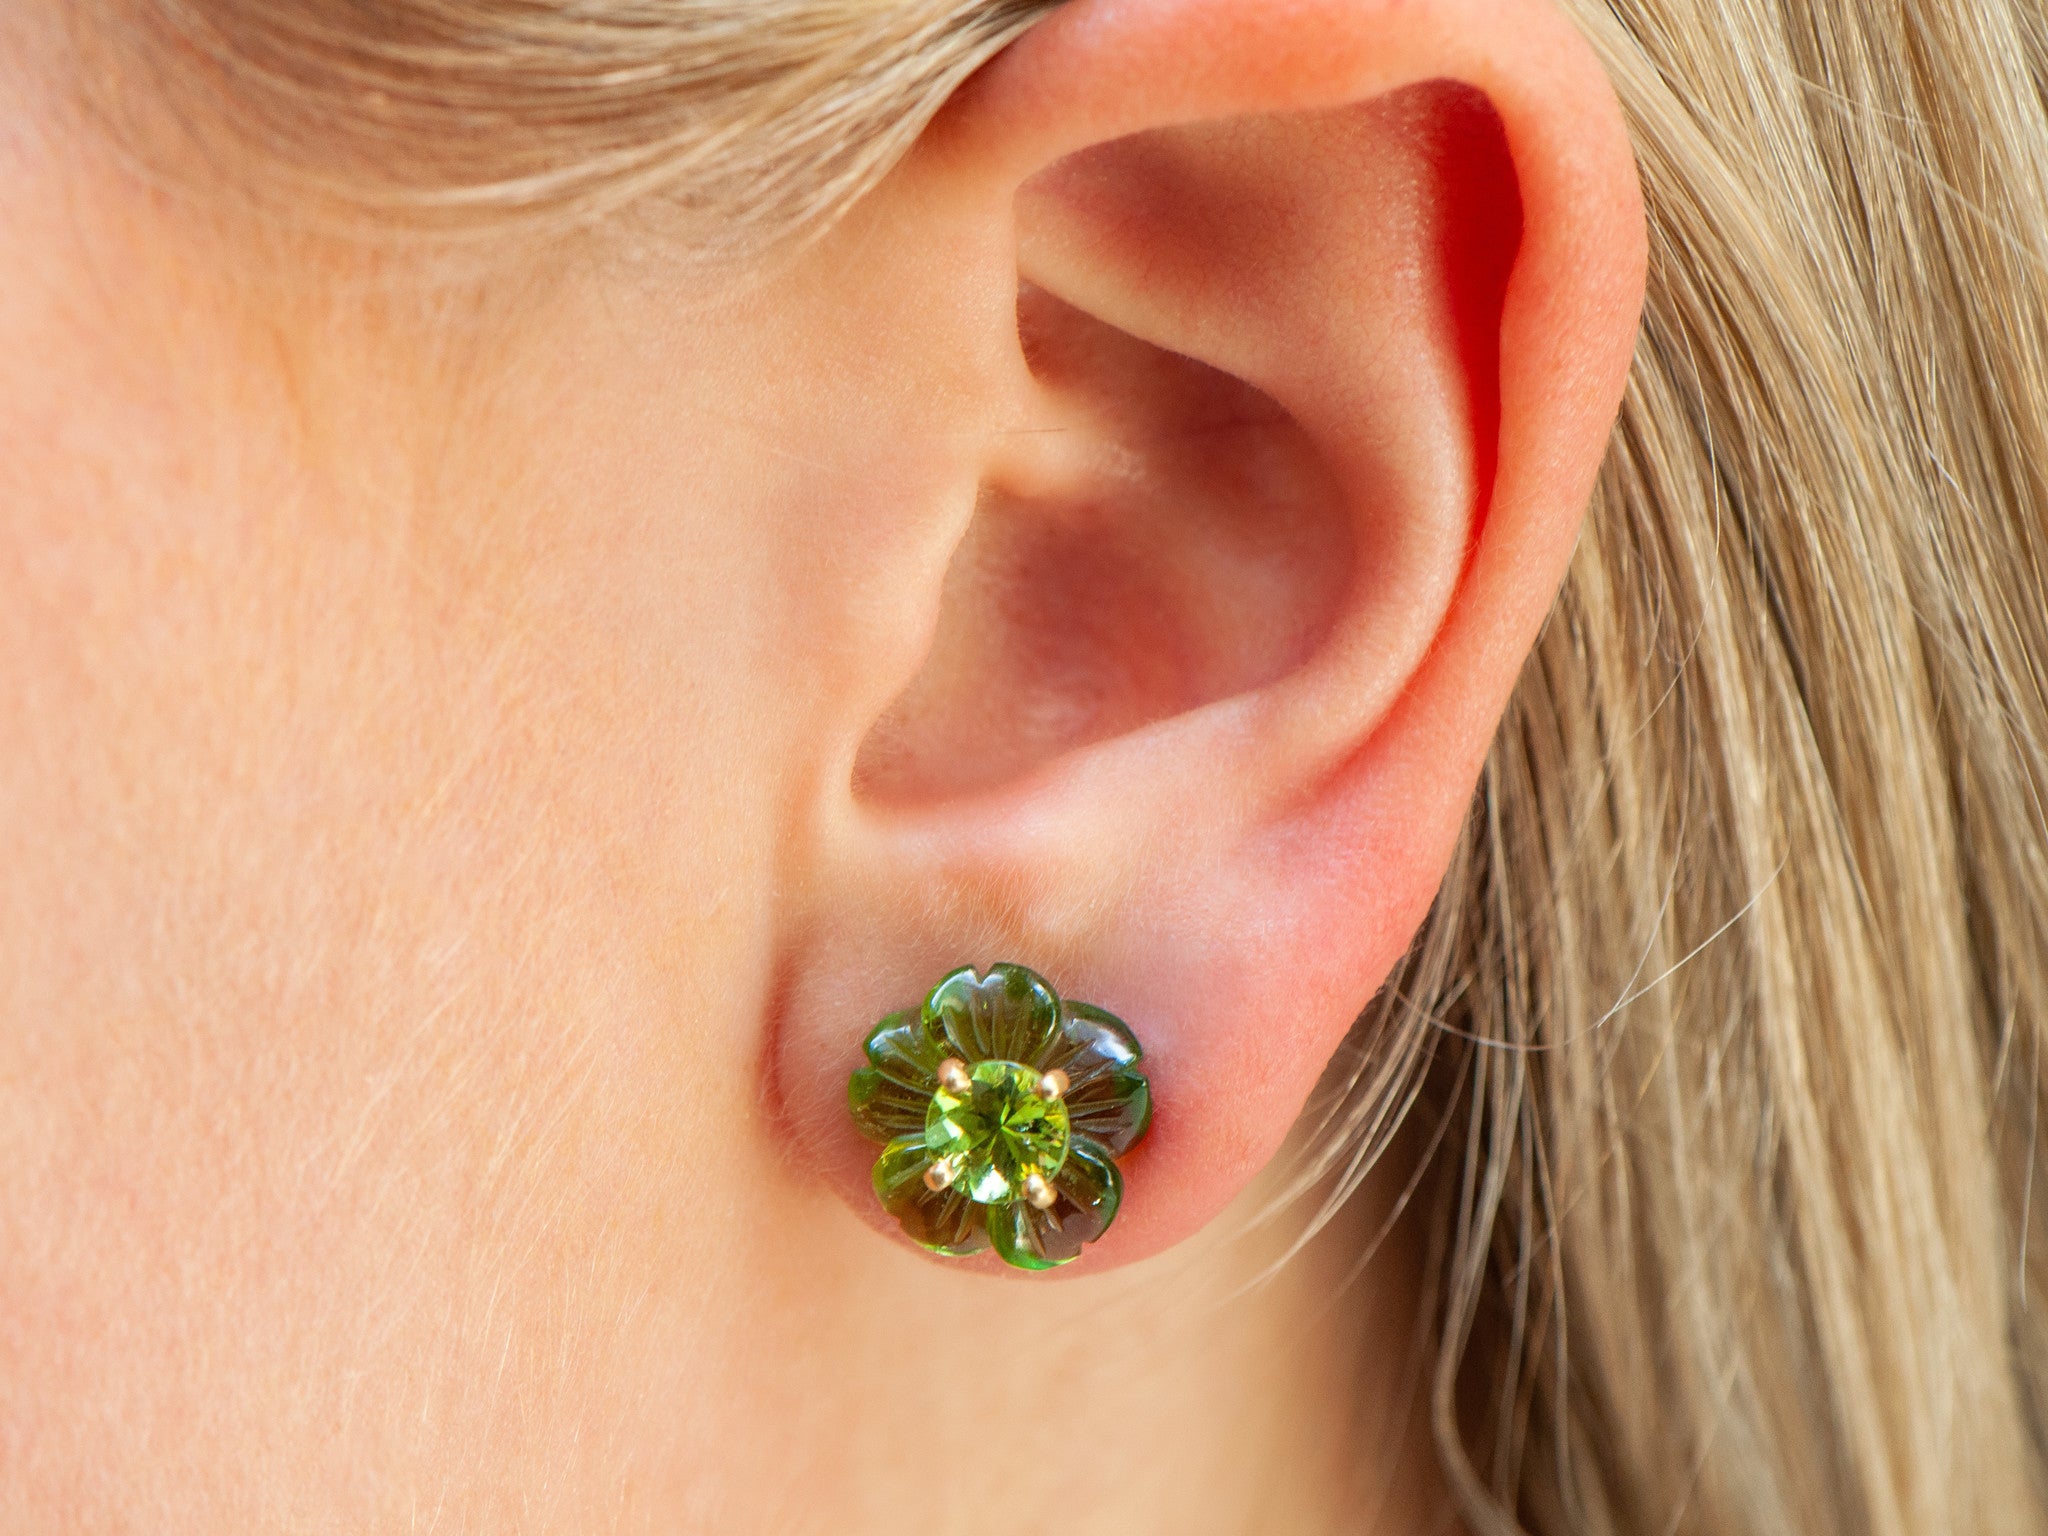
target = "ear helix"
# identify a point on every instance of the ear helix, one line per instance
(1002, 1109)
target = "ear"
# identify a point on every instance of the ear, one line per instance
(1324, 311)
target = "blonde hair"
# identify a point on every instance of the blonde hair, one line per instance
(755, 118)
(1731, 1009)
(1749, 932)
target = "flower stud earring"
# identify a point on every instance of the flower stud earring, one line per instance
(1002, 1109)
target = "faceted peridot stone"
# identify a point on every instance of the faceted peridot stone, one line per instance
(998, 1132)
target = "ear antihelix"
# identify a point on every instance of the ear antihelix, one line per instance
(1002, 1109)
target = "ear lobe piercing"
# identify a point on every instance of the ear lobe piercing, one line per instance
(1002, 1109)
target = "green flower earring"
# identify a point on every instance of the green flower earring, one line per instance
(1002, 1109)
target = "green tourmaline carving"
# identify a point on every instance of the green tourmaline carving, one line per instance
(1008, 1028)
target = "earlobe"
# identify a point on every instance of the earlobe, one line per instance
(1323, 320)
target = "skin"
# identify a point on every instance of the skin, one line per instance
(485, 735)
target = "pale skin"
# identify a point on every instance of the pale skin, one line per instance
(481, 740)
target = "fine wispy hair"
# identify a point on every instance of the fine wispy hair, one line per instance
(756, 119)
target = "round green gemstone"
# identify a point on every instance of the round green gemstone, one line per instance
(998, 1132)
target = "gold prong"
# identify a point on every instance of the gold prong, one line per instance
(952, 1075)
(940, 1176)
(1039, 1191)
(1053, 1085)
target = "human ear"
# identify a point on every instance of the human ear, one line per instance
(1324, 312)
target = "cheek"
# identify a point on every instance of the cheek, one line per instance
(376, 1053)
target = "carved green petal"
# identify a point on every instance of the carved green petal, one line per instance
(1090, 1189)
(1016, 1231)
(1011, 1014)
(882, 1107)
(1093, 1042)
(1114, 1109)
(944, 1221)
(905, 1048)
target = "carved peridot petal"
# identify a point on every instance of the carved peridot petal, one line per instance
(1011, 1014)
